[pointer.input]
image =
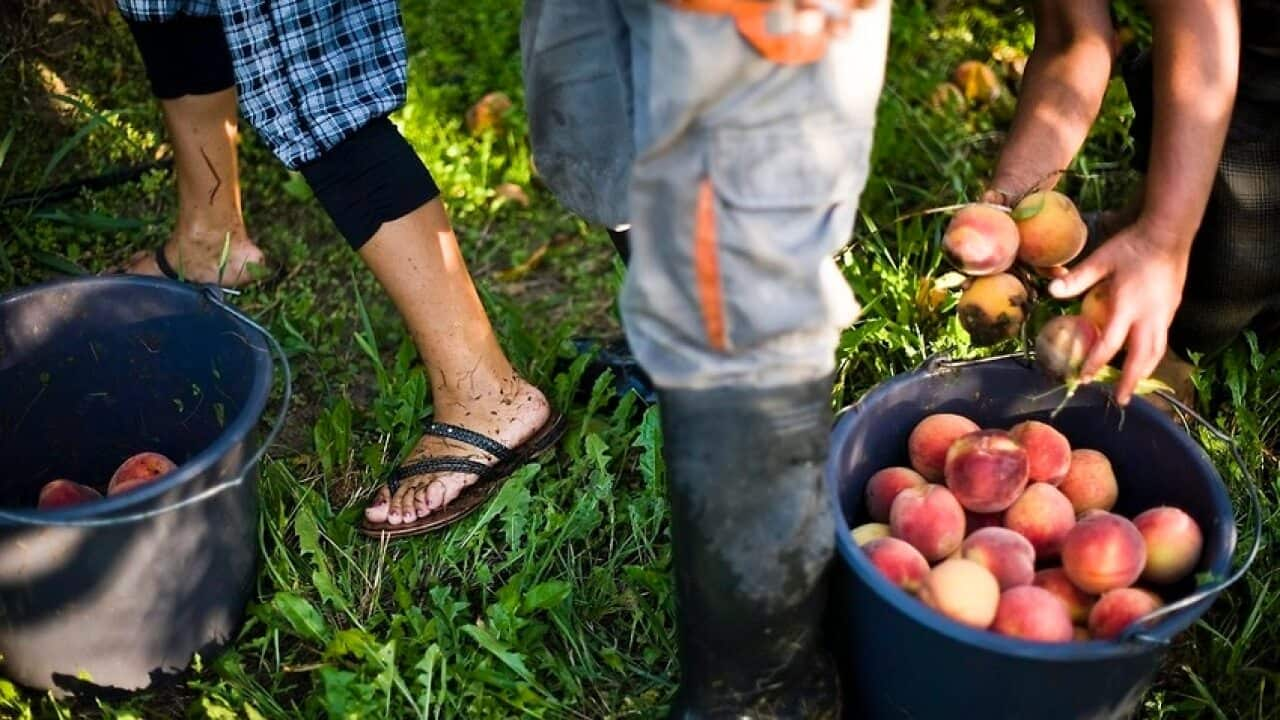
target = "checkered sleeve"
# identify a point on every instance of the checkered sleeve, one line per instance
(161, 10)
(312, 72)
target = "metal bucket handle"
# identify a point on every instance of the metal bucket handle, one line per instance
(215, 295)
(1134, 631)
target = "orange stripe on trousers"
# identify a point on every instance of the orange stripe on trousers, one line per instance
(706, 267)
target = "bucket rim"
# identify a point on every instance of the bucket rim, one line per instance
(1092, 650)
(236, 430)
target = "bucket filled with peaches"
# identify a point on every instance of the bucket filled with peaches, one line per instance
(1011, 551)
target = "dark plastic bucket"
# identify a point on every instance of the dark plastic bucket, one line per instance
(900, 659)
(119, 593)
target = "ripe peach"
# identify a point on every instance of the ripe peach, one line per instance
(1048, 451)
(1103, 552)
(867, 532)
(981, 240)
(1063, 344)
(929, 518)
(885, 485)
(138, 471)
(63, 493)
(1008, 555)
(977, 81)
(986, 470)
(962, 590)
(1078, 602)
(1173, 542)
(1050, 228)
(993, 308)
(1096, 306)
(1042, 515)
(1116, 609)
(1032, 613)
(1090, 483)
(932, 438)
(902, 564)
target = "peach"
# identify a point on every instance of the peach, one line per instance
(1090, 483)
(962, 590)
(986, 470)
(867, 532)
(946, 96)
(1032, 613)
(932, 438)
(993, 308)
(1103, 552)
(1117, 609)
(981, 240)
(885, 485)
(1173, 543)
(1063, 344)
(138, 471)
(1043, 516)
(488, 112)
(1048, 451)
(902, 564)
(1008, 555)
(1050, 229)
(929, 518)
(974, 522)
(977, 81)
(1078, 602)
(63, 493)
(1096, 306)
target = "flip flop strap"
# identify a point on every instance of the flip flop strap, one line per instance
(434, 465)
(474, 439)
(162, 262)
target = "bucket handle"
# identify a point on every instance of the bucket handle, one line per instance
(1135, 630)
(215, 295)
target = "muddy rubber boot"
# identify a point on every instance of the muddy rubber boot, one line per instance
(752, 538)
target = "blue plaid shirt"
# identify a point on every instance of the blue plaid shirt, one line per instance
(309, 72)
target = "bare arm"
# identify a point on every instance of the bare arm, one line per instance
(1195, 53)
(1062, 90)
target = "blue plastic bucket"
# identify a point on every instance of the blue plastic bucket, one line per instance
(900, 659)
(119, 593)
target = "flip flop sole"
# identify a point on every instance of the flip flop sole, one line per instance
(478, 493)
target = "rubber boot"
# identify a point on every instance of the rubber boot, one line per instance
(753, 538)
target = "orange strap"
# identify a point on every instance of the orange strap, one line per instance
(758, 22)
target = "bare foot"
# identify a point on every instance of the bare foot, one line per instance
(195, 258)
(510, 418)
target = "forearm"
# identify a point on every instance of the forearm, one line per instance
(1195, 56)
(1061, 94)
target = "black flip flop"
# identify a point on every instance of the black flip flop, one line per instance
(170, 272)
(489, 477)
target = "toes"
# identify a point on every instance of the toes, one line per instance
(377, 510)
(420, 504)
(454, 488)
(435, 495)
(395, 515)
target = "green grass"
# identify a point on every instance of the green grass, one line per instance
(556, 601)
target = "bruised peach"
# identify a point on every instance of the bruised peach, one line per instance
(1103, 552)
(1008, 555)
(885, 485)
(138, 471)
(1078, 602)
(1048, 451)
(993, 308)
(1050, 228)
(986, 470)
(932, 438)
(1063, 344)
(981, 240)
(930, 519)
(962, 590)
(1090, 483)
(867, 532)
(1096, 306)
(64, 493)
(977, 81)
(1173, 543)
(902, 564)
(1117, 609)
(1032, 613)
(1043, 516)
